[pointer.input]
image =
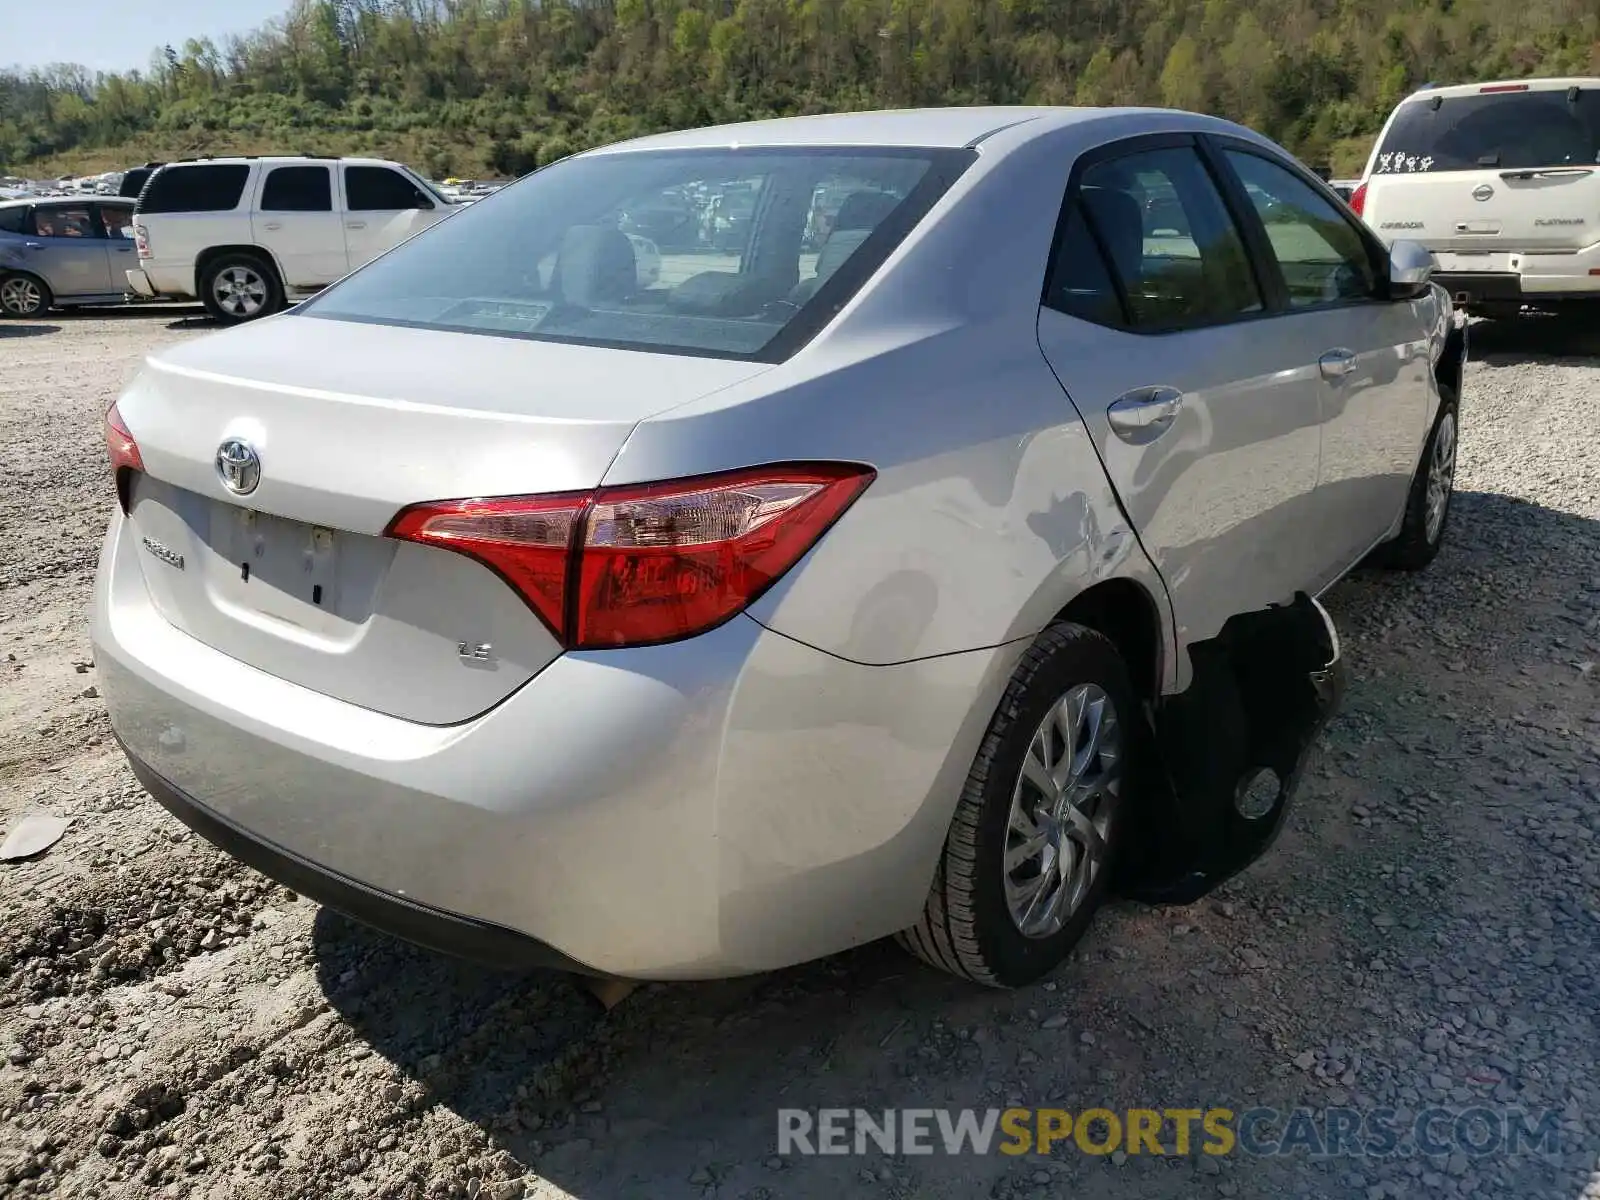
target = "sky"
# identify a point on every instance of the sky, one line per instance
(118, 35)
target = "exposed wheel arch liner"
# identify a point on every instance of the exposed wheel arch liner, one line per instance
(1447, 368)
(1231, 749)
(1127, 613)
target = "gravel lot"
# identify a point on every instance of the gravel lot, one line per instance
(1424, 934)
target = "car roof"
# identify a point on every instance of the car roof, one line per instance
(86, 198)
(247, 159)
(1553, 84)
(950, 128)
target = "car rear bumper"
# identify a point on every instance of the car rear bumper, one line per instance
(445, 932)
(163, 278)
(1520, 276)
(139, 283)
(727, 804)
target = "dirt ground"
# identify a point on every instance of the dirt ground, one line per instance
(1423, 935)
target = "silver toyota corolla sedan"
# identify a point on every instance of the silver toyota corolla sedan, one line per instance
(936, 564)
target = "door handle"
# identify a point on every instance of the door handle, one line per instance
(1548, 173)
(124, 249)
(34, 245)
(1336, 364)
(355, 224)
(274, 225)
(1144, 414)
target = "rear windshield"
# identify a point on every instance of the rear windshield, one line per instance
(201, 188)
(726, 253)
(1497, 130)
(133, 182)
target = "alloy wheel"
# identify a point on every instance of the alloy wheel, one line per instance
(21, 297)
(1062, 807)
(240, 291)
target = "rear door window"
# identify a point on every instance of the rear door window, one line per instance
(297, 189)
(1176, 255)
(379, 189)
(1493, 131)
(12, 220)
(198, 187)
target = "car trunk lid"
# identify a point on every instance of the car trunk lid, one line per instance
(350, 423)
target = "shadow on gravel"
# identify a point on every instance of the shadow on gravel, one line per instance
(1536, 338)
(126, 312)
(197, 319)
(10, 330)
(676, 1091)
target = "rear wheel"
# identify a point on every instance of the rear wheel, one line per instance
(23, 296)
(1029, 854)
(240, 287)
(1428, 505)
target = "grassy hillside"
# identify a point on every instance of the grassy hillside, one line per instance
(500, 86)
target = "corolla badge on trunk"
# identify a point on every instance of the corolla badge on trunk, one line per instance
(167, 555)
(239, 466)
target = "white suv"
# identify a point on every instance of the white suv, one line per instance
(1502, 182)
(247, 235)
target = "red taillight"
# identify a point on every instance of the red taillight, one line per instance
(527, 539)
(141, 241)
(1503, 87)
(629, 566)
(1358, 199)
(122, 450)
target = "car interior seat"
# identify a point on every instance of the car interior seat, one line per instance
(859, 214)
(595, 265)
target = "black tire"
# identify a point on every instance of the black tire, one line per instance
(967, 927)
(1417, 544)
(240, 287)
(23, 295)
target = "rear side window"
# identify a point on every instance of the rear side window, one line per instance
(378, 189)
(64, 221)
(297, 189)
(11, 219)
(1080, 281)
(1175, 253)
(1493, 131)
(203, 187)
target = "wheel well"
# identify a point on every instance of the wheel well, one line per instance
(209, 255)
(1448, 369)
(1125, 613)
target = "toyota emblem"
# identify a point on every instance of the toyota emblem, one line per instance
(238, 466)
(1482, 192)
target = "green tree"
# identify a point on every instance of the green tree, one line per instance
(1183, 83)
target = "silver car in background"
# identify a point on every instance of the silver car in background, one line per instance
(932, 573)
(63, 251)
